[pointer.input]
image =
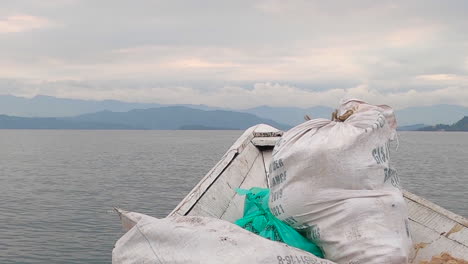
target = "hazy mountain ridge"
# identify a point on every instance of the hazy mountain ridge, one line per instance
(163, 118)
(175, 117)
(461, 125)
(407, 117)
(411, 127)
(431, 115)
(48, 106)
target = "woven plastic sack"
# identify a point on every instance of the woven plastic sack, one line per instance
(194, 240)
(334, 182)
(258, 219)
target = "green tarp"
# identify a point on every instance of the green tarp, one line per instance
(259, 220)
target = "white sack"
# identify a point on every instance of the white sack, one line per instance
(191, 239)
(334, 181)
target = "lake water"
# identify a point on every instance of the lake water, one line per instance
(57, 187)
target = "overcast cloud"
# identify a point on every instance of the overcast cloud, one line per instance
(237, 53)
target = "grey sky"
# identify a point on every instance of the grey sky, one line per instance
(237, 53)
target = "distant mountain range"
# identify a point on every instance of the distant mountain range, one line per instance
(163, 118)
(411, 127)
(461, 125)
(411, 118)
(48, 106)
(431, 115)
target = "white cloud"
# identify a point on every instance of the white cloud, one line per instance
(444, 80)
(20, 23)
(411, 36)
(441, 77)
(237, 97)
(197, 63)
(256, 52)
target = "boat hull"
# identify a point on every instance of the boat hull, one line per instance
(434, 230)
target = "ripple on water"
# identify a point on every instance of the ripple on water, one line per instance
(57, 187)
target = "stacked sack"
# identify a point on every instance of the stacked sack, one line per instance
(333, 181)
(194, 240)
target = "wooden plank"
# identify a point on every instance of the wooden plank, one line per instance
(267, 156)
(263, 130)
(191, 199)
(433, 207)
(265, 141)
(429, 218)
(197, 192)
(435, 230)
(438, 219)
(459, 234)
(255, 178)
(217, 197)
(266, 160)
(438, 223)
(430, 243)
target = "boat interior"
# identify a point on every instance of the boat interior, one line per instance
(433, 229)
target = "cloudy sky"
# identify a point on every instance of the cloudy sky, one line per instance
(237, 53)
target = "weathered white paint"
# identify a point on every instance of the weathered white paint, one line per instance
(236, 205)
(211, 177)
(266, 131)
(434, 229)
(266, 160)
(264, 141)
(433, 207)
(128, 219)
(429, 243)
(217, 198)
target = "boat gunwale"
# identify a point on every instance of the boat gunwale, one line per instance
(191, 199)
(436, 208)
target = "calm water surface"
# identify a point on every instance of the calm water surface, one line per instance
(57, 188)
(434, 165)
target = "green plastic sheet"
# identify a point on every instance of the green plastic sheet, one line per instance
(259, 220)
